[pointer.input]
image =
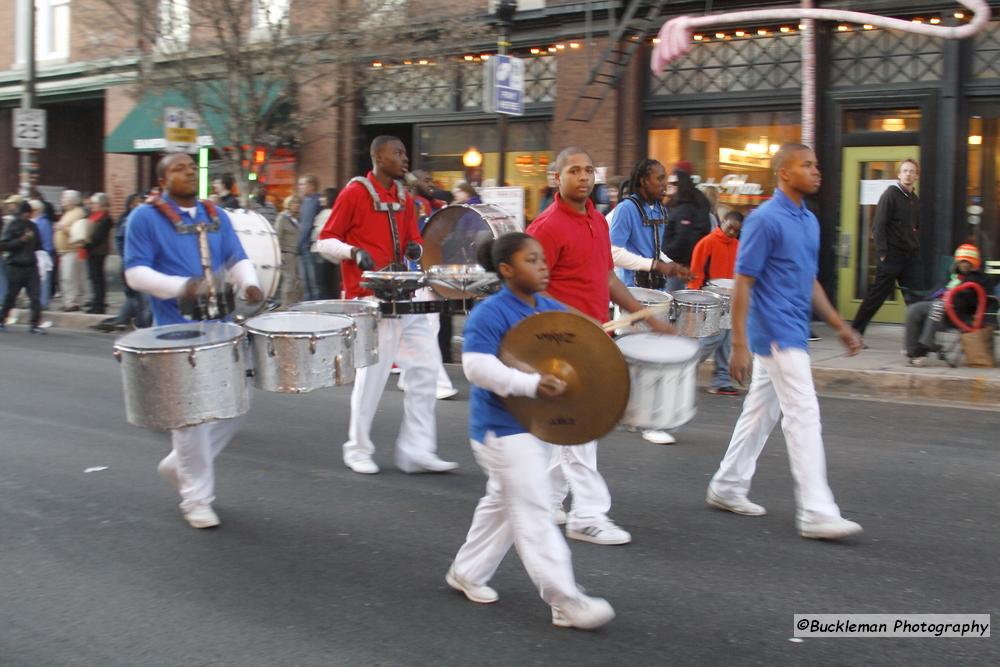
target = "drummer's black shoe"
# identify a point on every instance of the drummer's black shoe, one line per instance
(38, 330)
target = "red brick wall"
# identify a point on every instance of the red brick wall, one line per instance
(119, 170)
(8, 30)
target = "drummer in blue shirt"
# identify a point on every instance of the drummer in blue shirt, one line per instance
(776, 284)
(166, 264)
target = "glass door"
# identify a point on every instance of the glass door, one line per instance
(867, 172)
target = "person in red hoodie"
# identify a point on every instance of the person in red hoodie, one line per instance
(714, 258)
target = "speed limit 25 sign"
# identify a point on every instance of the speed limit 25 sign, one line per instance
(29, 128)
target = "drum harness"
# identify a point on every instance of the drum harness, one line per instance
(213, 305)
(387, 208)
(649, 279)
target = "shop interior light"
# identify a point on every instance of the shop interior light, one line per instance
(422, 61)
(407, 62)
(552, 49)
(975, 139)
(576, 45)
(802, 26)
(376, 64)
(656, 40)
(785, 28)
(561, 47)
(698, 38)
(762, 32)
(536, 51)
(918, 20)
(773, 148)
(959, 15)
(935, 20)
(740, 33)
(472, 158)
(843, 28)
(720, 35)
(868, 26)
(469, 58)
(893, 124)
(484, 56)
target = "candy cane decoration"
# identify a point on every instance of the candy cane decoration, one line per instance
(676, 34)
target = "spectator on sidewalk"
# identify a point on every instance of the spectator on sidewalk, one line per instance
(687, 221)
(924, 319)
(223, 192)
(95, 250)
(69, 266)
(327, 272)
(310, 206)
(465, 193)
(135, 310)
(259, 203)
(44, 224)
(20, 241)
(287, 227)
(10, 207)
(896, 228)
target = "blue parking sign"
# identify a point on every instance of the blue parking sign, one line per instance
(504, 89)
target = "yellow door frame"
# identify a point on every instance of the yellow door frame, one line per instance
(894, 309)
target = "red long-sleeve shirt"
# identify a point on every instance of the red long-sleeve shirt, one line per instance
(714, 256)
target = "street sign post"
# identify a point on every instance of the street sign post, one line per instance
(504, 89)
(180, 130)
(29, 128)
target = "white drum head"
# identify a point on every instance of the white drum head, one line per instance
(454, 233)
(696, 297)
(649, 297)
(657, 348)
(338, 307)
(260, 242)
(180, 336)
(725, 283)
(292, 323)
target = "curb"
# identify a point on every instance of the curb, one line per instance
(60, 320)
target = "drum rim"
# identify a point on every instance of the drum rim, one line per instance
(320, 333)
(684, 340)
(679, 300)
(365, 307)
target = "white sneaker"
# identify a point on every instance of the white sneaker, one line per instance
(480, 594)
(169, 473)
(430, 463)
(829, 529)
(363, 466)
(559, 514)
(603, 532)
(444, 393)
(738, 506)
(202, 516)
(585, 613)
(658, 437)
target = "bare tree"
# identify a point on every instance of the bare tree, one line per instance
(267, 70)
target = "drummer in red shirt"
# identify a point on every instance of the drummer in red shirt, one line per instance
(714, 258)
(577, 248)
(368, 215)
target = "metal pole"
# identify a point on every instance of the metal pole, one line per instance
(502, 45)
(27, 166)
(808, 79)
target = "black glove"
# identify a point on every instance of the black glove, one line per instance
(414, 251)
(362, 259)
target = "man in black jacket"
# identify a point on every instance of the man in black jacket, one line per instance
(896, 228)
(20, 241)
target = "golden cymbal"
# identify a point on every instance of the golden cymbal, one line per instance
(577, 351)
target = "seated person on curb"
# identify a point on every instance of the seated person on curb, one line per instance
(714, 258)
(925, 318)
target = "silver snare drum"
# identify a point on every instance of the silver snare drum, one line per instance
(183, 374)
(294, 353)
(697, 313)
(647, 297)
(366, 317)
(662, 370)
(724, 288)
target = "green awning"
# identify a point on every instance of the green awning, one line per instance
(142, 129)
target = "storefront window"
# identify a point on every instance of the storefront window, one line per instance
(440, 149)
(730, 151)
(982, 223)
(882, 120)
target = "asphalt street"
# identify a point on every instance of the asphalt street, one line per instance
(316, 565)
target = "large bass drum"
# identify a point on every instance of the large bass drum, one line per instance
(260, 242)
(183, 374)
(452, 237)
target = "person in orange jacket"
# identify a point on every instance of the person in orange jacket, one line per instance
(714, 258)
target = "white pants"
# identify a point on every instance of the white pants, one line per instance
(193, 455)
(516, 510)
(443, 381)
(574, 468)
(71, 279)
(781, 386)
(409, 342)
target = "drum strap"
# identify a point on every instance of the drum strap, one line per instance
(388, 209)
(170, 213)
(649, 279)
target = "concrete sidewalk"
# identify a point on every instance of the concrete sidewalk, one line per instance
(881, 371)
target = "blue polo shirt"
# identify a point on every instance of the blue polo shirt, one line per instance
(628, 232)
(151, 240)
(779, 246)
(488, 323)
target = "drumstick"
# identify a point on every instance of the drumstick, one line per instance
(626, 320)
